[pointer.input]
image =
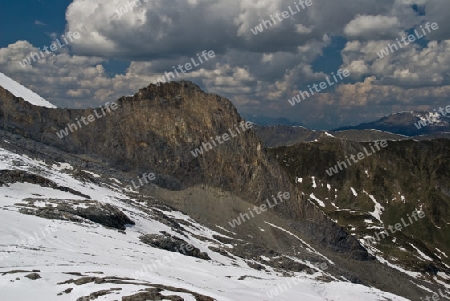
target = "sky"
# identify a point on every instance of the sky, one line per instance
(117, 47)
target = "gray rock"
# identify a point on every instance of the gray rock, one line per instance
(33, 276)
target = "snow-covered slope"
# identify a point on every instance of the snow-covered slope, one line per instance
(20, 91)
(77, 259)
(431, 118)
(368, 224)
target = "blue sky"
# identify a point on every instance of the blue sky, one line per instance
(19, 19)
(117, 56)
(38, 20)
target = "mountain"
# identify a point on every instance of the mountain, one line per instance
(278, 135)
(20, 91)
(110, 238)
(400, 126)
(379, 191)
(269, 121)
(70, 231)
(157, 129)
(408, 124)
(367, 135)
(274, 136)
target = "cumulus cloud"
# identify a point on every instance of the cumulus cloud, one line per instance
(411, 65)
(65, 79)
(372, 27)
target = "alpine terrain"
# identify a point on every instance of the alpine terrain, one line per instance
(118, 208)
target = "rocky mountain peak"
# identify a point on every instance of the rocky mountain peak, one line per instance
(159, 130)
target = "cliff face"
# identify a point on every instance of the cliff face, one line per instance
(156, 130)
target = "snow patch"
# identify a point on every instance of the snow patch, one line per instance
(441, 252)
(92, 174)
(321, 204)
(62, 166)
(425, 257)
(378, 208)
(20, 91)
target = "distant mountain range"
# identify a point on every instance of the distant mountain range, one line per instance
(398, 126)
(411, 123)
(269, 121)
(407, 123)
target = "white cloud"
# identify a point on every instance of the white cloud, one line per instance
(409, 66)
(370, 27)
